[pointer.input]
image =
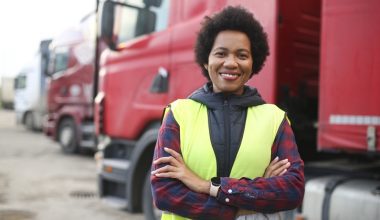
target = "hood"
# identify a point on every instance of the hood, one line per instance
(206, 96)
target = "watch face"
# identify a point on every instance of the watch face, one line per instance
(215, 181)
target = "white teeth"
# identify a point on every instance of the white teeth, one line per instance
(229, 75)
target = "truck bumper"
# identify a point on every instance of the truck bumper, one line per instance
(48, 123)
(113, 167)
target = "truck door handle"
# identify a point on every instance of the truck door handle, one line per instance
(160, 82)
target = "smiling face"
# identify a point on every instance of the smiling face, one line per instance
(230, 62)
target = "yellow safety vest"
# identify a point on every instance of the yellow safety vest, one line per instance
(254, 154)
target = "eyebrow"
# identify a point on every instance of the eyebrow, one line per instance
(225, 49)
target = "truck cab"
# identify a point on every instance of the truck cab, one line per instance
(30, 91)
(69, 88)
(149, 63)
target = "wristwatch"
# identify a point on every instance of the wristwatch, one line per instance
(214, 187)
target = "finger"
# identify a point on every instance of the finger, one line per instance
(267, 174)
(164, 169)
(274, 165)
(274, 161)
(171, 160)
(278, 164)
(269, 169)
(167, 175)
(162, 160)
(280, 169)
(275, 168)
(287, 165)
(174, 153)
(283, 172)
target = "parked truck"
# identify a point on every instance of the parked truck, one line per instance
(30, 91)
(7, 92)
(69, 117)
(322, 69)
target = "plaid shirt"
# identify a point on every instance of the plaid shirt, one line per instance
(261, 194)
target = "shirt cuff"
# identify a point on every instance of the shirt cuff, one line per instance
(231, 191)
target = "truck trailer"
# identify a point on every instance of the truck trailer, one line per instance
(322, 70)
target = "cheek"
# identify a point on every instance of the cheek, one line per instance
(248, 67)
(214, 64)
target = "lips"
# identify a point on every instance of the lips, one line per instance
(230, 76)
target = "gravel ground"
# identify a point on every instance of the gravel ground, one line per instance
(39, 182)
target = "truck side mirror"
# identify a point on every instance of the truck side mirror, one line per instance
(107, 23)
(44, 47)
(49, 68)
(45, 54)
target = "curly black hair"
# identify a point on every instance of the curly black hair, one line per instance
(237, 19)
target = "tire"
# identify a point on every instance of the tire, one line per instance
(67, 136)
(150, 211)
(29, 121)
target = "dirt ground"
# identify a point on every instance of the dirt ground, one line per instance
(39, 182)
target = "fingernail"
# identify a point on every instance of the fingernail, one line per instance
(286, 160)
(276, 158)
(165, 148)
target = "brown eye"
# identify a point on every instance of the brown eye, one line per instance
(219, 54)
(243, 56)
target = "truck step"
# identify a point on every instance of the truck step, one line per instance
(116, 163)
(88, 128)
(88, 144)
(115, 202)
(115, 170)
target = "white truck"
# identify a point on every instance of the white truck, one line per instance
(30, 92)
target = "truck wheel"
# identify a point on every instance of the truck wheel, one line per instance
(29, 121)
(67, 136)
(150, 211)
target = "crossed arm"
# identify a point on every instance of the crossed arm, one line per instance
(176, 187)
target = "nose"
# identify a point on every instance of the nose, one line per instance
(230, 62)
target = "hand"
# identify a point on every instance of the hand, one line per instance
(276, 168)
(177, 169)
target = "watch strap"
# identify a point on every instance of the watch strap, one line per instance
(214, 190)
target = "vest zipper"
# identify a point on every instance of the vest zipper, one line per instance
(227, 134)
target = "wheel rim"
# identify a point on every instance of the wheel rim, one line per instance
(66, 136)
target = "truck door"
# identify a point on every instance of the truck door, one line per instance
(349, 110)
(137, 72)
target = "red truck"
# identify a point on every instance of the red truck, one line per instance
(70, 88)
(322, 70)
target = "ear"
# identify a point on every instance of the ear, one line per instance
(205, 66)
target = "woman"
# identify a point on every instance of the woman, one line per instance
(214, 150)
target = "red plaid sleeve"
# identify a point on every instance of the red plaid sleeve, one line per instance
(171, 194)
(273, 194)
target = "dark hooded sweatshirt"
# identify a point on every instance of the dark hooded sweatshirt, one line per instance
(226, 117)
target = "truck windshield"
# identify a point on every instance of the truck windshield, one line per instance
(139, 20)
(20, 82)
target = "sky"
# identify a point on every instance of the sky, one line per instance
(24, 23)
